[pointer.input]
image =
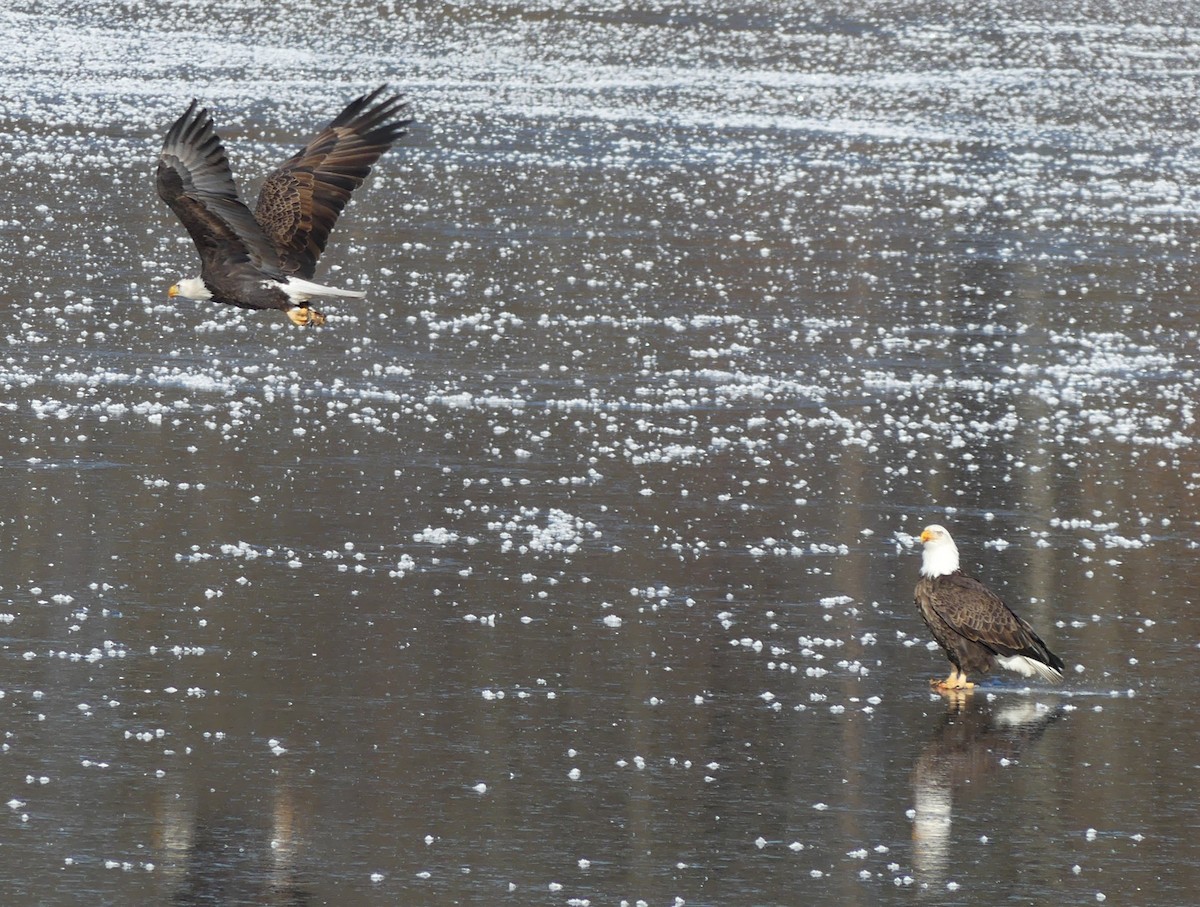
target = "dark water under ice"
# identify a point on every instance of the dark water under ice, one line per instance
(574, 565)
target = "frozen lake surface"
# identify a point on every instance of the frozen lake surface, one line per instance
(574, 565)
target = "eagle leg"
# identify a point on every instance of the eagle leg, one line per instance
(302, 315)
(956, 681)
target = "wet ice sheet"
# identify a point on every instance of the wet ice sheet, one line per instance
(574, 564)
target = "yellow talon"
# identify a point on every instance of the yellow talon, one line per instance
(303, 315)
(956, 681)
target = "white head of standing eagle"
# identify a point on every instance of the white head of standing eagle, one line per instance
(972, 623)
(266, 259)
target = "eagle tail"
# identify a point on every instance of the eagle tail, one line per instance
(300, 291)
(1028, 665)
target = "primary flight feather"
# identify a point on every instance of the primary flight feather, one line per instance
(266, 259)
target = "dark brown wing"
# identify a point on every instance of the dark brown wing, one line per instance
(300, 202)
(973, 611)
(195, 181)
(966, 654)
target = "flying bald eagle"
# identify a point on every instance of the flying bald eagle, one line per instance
(971, 623)
(266, 260)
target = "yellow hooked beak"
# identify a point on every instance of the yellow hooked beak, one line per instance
(926, 536)
(174, 291)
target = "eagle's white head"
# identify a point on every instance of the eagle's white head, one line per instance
(940, 555)
(191, 288)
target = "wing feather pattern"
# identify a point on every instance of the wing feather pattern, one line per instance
(972, 611)
(194, 179)
(301, 201)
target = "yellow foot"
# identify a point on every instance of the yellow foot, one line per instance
(303, 315)
(955, 681)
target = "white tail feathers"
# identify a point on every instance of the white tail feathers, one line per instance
(1027, 667)
(300, 291)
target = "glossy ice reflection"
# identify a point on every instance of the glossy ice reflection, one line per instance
(574, 565)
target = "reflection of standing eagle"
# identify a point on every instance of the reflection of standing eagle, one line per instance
(958, 769)
(266, 259)
(971, 623)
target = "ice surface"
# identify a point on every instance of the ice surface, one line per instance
(682, 320)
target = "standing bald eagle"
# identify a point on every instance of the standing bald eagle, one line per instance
(971, 623)
(266, 260)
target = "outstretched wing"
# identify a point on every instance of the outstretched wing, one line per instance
(300, 202)
(195, 181)
(977, 613)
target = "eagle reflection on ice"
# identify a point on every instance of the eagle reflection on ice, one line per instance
(975, 740)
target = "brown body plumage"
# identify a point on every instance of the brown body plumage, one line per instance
(266, 259)
(973, 624)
